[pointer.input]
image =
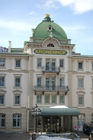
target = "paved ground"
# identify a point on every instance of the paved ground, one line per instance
(15, 136)
(27, 136)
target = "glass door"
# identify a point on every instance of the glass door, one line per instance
(52, 124)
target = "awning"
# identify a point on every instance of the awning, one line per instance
(46, 111)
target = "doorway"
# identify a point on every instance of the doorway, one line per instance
(52, 124)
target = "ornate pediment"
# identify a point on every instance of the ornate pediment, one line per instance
(2, 91)
(17, 91)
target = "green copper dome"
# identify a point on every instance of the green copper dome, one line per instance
(48, 28)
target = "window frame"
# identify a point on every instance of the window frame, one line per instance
(2, 118)
(61, 63)
(39, 62)
(50, 83)
(17, 65)
(3, 102)
(82, 100)
(47, 96)
(92, 65)
(80, 83)
(63, 100)
(19, 100)
(19, 85)
(80, 63)
(17, 120)
(92, 117)
(54, 97)
(39, 84)
(2, 63)
(62, 81)
(2, 83)
(39, 98)
(92, 82)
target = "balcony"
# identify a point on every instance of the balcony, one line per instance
(64, 89)
(51, 70)
(57, 89)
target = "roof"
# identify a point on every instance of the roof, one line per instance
(17, 50)
(47, 111)
(49, 28)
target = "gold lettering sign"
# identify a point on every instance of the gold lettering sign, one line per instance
(50, 52)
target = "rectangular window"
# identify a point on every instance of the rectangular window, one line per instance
(39, 62)
(2, 62)
(50, 64)
(80, 65)
(47, 64)
(81, 99)
(80, 82)
(62, 99)
(17, 120)
(51, 83)
(39, 99)
(39, 81)
(17, 99)
(47, 83)
(1, 99)
(92, 82)
(18, 63)
(62, 82)
(91, 117)
(2, 120)
(2, 81)
(92, 66)
(54, 99)
(53, 65)
(47, 99)
(62, 63)
(17, 81)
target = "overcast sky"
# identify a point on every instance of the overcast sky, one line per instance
(18, 17)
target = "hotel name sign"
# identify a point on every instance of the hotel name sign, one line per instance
(50, 52)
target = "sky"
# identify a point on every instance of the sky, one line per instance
(19, 17)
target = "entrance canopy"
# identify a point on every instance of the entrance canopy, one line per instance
(59, 111)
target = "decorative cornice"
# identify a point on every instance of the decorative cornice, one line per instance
(82, 57)
(17, 91)
(80, 92)
(13, 71)
(2, 90)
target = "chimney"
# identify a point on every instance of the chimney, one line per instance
(9, 46)
(33, 31)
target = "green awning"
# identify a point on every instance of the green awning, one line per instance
(46, 111)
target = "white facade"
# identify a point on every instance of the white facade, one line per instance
(34, 75)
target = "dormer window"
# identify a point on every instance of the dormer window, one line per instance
(50, 28)
(50, 45)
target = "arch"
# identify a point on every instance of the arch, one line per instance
(52, 41)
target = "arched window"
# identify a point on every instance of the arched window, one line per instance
(50, 45)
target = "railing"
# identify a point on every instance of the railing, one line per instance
(51, 69)
(51, 88)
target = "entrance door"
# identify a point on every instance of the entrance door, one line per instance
(67, 123)
(51, 124)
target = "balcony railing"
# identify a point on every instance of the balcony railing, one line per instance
(64, 89)
(51, 69)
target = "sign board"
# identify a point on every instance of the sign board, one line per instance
(50, 52)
